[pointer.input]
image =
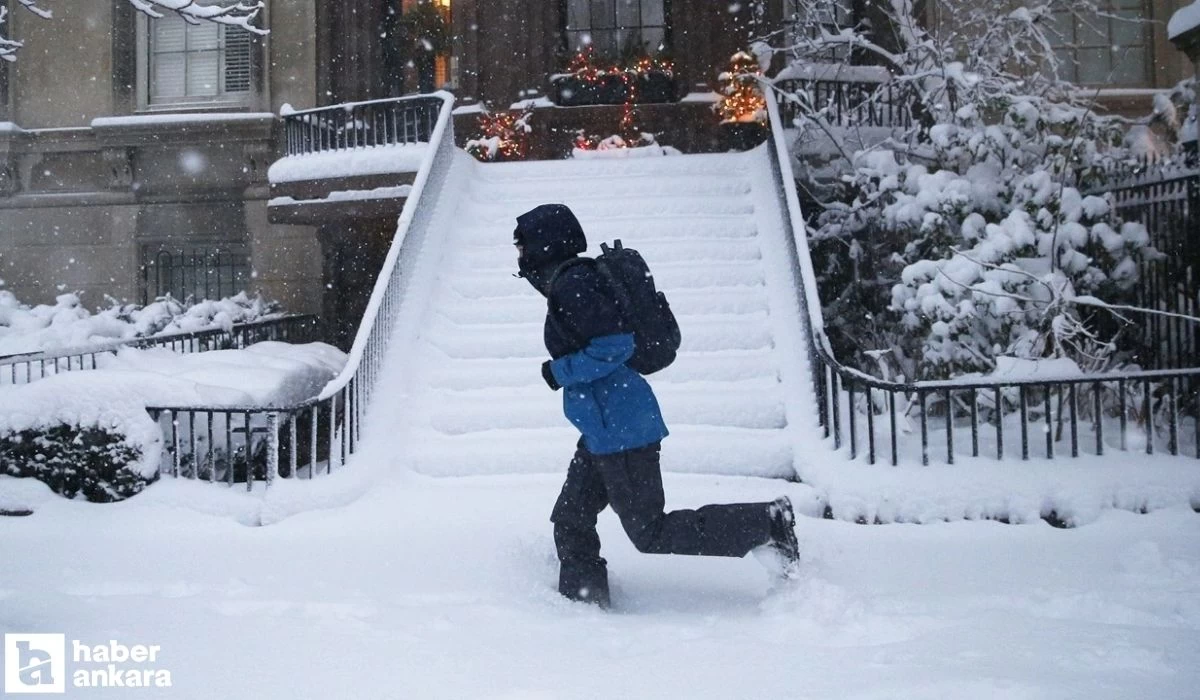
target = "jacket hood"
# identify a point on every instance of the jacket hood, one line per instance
(548, 234)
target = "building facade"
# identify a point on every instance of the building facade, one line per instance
(134, 151)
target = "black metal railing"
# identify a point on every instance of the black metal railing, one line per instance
(1048, 417)
(1093, 414)
(258, 444)
(359, 124)
(1165, 198)
(30, 367)
(848, 103)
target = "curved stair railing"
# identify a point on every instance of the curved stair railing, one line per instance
(236, 445)
(1142, 410)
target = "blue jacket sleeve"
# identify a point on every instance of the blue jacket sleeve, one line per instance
(600, 358)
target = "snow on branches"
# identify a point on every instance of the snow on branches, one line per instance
(964, 235)
(238, 14)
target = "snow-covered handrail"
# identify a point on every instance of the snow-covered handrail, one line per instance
(387, 281)
(781, 155)
(248, 444)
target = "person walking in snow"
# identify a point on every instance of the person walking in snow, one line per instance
(616, 461)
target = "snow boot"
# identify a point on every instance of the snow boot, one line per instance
(597, 596)
(584, 587)
(781, 554)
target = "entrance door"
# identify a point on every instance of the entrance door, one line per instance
(418, 45)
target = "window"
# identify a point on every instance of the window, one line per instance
(617, 28)
(185, 64)
(1104, 50)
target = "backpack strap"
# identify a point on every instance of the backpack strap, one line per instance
(558, 326)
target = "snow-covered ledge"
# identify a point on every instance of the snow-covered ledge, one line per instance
(1184, 31)
(186, 128)
(371, 181)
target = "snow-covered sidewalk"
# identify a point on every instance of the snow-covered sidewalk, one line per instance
(444, 588)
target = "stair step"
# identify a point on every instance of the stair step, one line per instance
(530, 307)
(750, 404)
(619, 225)
(668, 277)
(557, 170)
(689, 449)
(555, 189)
(502, 258)
(633, 206)
(700, 334)
(715, 367)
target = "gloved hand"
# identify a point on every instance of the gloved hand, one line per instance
(549, 376)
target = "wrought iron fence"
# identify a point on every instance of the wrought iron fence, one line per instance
(257, 444)
(358, 124)
(1164, 196)
(1094, 414)
(849, 103)
(30, 367)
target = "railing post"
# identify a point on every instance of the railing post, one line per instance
(272, 447)
(892, 417)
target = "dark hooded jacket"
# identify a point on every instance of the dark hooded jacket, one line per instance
(611, 404)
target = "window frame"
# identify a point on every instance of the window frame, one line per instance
(1070, 50)
(570, 44)
(235, 101)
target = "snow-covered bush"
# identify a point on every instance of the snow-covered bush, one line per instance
(991, 247)
(97, 464)
(503, 136)
(965, 236)
(81, 437)
(69, 324)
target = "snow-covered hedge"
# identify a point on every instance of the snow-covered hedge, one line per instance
(68, 324)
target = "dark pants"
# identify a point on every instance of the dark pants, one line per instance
(631, 483)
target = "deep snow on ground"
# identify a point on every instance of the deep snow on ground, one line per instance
(444, 588)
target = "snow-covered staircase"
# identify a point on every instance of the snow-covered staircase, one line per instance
(473, 401)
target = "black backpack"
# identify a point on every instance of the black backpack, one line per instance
(643, 308)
